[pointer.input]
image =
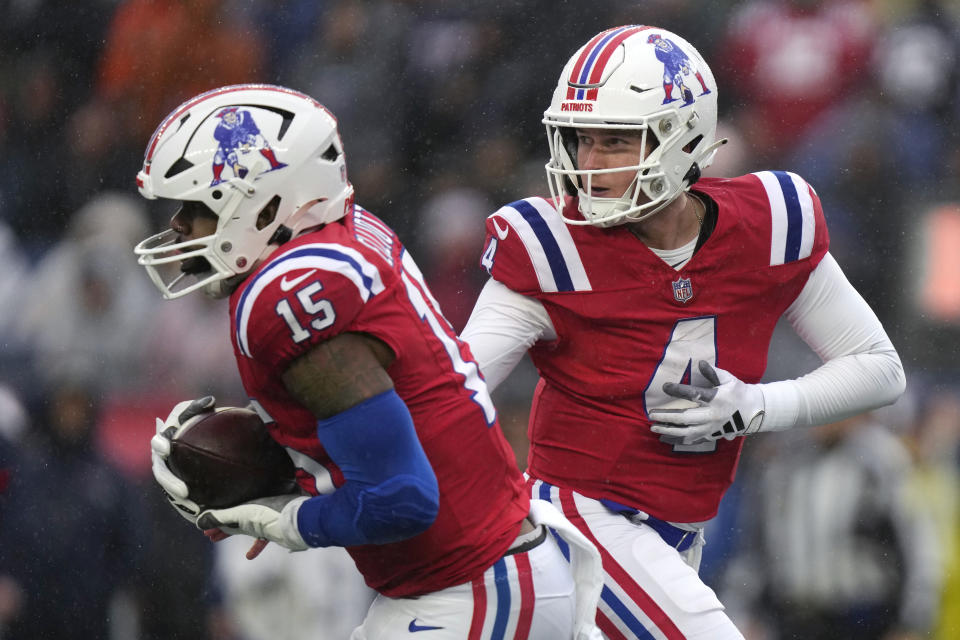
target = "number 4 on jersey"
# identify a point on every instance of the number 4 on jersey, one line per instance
(486, 261)
(691, 340)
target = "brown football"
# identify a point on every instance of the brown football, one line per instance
(228, 457)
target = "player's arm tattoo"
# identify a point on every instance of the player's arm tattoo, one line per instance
(340, 373)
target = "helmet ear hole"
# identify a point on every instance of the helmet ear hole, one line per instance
(181, 165)
(330, 154)
(268, 214)
(693, 144)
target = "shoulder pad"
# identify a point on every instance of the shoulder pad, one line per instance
(537, 252)
(304, 296)
(798, 230)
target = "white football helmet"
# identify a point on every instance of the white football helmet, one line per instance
(238, 149)
(637, 78)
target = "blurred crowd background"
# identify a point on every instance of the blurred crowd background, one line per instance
(845, 531)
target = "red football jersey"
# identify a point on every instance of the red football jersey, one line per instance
(627, 322)
(354, 275)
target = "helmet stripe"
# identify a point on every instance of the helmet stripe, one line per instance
(593, 58)
(604, 57)
(584, 54)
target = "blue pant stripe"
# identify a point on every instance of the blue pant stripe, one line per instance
(635, 626)
(503, 600)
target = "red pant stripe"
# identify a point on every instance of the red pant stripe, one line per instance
(620, 576)
(527, 596)
(479, 609)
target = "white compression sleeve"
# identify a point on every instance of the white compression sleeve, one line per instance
(861, 369)
(502, 326)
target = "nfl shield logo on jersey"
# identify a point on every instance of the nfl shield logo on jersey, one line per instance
(682, 289)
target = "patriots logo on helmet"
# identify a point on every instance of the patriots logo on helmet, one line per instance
(676, 65)
(682, 290)
(237, 135)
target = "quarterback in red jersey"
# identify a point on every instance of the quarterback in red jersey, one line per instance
(345, 355)
(647, 298)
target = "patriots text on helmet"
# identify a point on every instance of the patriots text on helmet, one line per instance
(576, 106)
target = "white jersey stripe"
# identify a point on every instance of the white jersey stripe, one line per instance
(538, 256)
(321, 475)
(778, 212)
(425, 305)
(413, 270)
(809, 220)
(549, 244)
(568, 249)
(792, 216)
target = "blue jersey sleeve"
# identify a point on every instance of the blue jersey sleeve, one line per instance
(390, 491)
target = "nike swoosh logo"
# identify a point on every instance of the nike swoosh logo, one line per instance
(286, 285)
(414, 627)
(501, 233)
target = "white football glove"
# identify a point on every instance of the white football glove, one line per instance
(727, 409)
(273, 518)
(176, 489)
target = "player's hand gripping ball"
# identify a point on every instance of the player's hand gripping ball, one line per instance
(226, 457)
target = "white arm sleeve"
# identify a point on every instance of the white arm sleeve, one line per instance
(502, 326)
(861, 369)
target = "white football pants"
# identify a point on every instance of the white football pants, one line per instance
(650, 591)
(530, 595)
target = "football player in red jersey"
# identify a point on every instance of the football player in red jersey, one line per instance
(647, 298)
(345, 355)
